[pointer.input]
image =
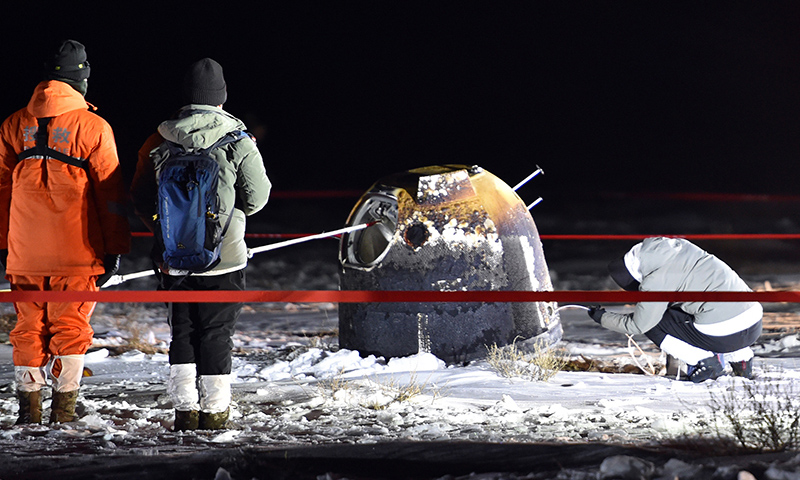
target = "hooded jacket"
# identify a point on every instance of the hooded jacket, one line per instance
(243, 184)
(676, 265)
(55, 218)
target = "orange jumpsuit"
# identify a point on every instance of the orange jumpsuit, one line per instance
(57, 221)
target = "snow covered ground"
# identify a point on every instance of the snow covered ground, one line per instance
(337, 415)
(293, 390)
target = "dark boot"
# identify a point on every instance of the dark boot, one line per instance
(743, 369)
(214, 421)
(62, 409)
(186, 420)
(707, 369)
(673, 367)
(30, 407)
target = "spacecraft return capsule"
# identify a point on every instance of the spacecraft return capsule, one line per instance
(444, 228)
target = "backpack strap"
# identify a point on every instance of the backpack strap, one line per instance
(42, 149)
(229, 137)
(227, 224)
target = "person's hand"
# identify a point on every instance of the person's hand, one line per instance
(596, 312)
(111, 263)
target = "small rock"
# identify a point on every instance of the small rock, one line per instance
(222, 474)
(675, 468)
(726, 472)
(774, 473)
(624, 467)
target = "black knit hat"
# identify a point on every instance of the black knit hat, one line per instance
(68, 62)
(622, 276)
(204, 83)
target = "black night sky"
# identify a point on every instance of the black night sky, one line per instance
(604, 96)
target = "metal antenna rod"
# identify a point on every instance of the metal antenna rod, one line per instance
(536, 172)
(117, 279)
(535, 202)
(273, 246)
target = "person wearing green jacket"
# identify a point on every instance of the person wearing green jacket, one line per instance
(704, 335)
(201, 344)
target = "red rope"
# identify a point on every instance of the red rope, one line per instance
(317, 194)
(695, 236)
(248, 235)
(685, 196)
(364, 296)
(705, 196)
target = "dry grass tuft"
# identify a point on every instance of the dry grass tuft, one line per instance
(761, 415)
(509, 361)
(7, 322)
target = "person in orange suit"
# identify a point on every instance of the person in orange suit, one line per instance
(63, 226)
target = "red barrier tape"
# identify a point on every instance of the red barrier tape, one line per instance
(704, 196)
(364, 296)
(696, 236)
(686, 196)
(248, 235)
(317, 194)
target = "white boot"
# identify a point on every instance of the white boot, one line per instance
(215, 401)
(215, 393)
(742, 355)
(66, 372)
(30, 379)
(683, 351)
(182, 387)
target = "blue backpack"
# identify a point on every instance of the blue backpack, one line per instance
(189, 227)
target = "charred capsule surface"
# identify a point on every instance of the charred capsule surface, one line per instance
(443, 228)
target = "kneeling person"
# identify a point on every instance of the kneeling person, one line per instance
(704, 335)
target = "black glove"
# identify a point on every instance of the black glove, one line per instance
(596, 313)
(4, 257)
(111, 263)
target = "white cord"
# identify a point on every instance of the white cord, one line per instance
(632, 343)
(570, 306)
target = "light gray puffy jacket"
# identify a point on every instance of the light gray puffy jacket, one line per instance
(243, 184)
(677, 265)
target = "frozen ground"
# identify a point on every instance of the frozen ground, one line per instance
(305, 409)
